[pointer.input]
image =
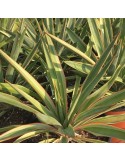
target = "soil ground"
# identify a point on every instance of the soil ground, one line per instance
(16, 116)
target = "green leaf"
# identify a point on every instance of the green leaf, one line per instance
(50, 25)
(9, 99)
(76, 89)
(4, 129)
(64, 140)
(47, 119)
(54, 81)
(77, 51)
(79, 22)
(71, 23)
(57, 75)
(106, 131)
(112, 99)
(82, 67)
(1, 72)
(76, 39)
(21, 130)
(14, 54)
(110, 119)
(96, 35)
(6, 88)
(122, 35)
(67, 131)
(6, 41)
(27, 136)
(29, 26)
(108, 30)
(31, 55)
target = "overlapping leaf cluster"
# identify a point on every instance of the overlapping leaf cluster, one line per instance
(65, 71)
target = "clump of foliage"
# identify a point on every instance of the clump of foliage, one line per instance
(40, 55)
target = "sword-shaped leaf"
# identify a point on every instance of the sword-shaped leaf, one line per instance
(106, 131)
(110, 119)
(72, 48)
(96, 35)
(76, 39)
(33, 101)
(20, 130)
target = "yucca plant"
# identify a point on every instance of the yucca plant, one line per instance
(55, 114)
